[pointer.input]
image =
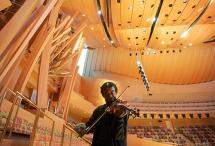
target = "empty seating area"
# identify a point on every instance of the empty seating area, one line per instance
(200, 135)
(157, 133)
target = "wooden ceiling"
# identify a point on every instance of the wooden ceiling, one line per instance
(166, 56)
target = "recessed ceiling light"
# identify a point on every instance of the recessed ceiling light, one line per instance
(83, 15)
(200, 9)
(130, 8)
(92, 28)
(163, 42)
(214, 21)
(141, 1)
(111, 41)
(138, 63)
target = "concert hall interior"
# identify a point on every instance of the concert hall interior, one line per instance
(56, 54)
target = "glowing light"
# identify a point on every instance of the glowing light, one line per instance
(200, 9)
(92, 28)
(129, 8)
(163, 42)
(138, 63)
(83, 15)
(111, 41)
(153, 19)
(148, 19)
(141, 1)
(190, 44)
(99, 12)
(185, 33)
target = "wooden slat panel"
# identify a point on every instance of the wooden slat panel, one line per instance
(150, 9)
(210, 12)
(173, 15)
(164, 10)
(4, 4)
(8, 33)
(94, 59)
(126, 13)
(138, 9)
(116, 12)
(195, 11)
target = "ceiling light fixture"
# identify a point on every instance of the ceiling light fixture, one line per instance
(163, 42)
(83, 15)
(92, 28)
(143, 75)
(111, 41)
(190, 44)
(130, 8)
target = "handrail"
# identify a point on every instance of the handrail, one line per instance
(10, 113)
(85, 139)
(37, 118)
(5, 92)
(21, 97)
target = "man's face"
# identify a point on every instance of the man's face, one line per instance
(110, 95)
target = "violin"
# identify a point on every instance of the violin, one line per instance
(120, 108)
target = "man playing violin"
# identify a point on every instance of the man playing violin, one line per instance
(111, 129)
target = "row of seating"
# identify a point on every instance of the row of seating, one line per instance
(199, 135)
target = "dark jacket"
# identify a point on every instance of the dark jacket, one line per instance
(110, 130)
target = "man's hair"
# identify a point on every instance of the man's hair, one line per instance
(107, 85)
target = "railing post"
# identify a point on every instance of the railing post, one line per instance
(8, 119)
(70, 138)
(34, 130)
(15, 116)
(2, 98)
(52, 133)
(62, 139)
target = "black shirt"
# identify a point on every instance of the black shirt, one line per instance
(110, 130)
